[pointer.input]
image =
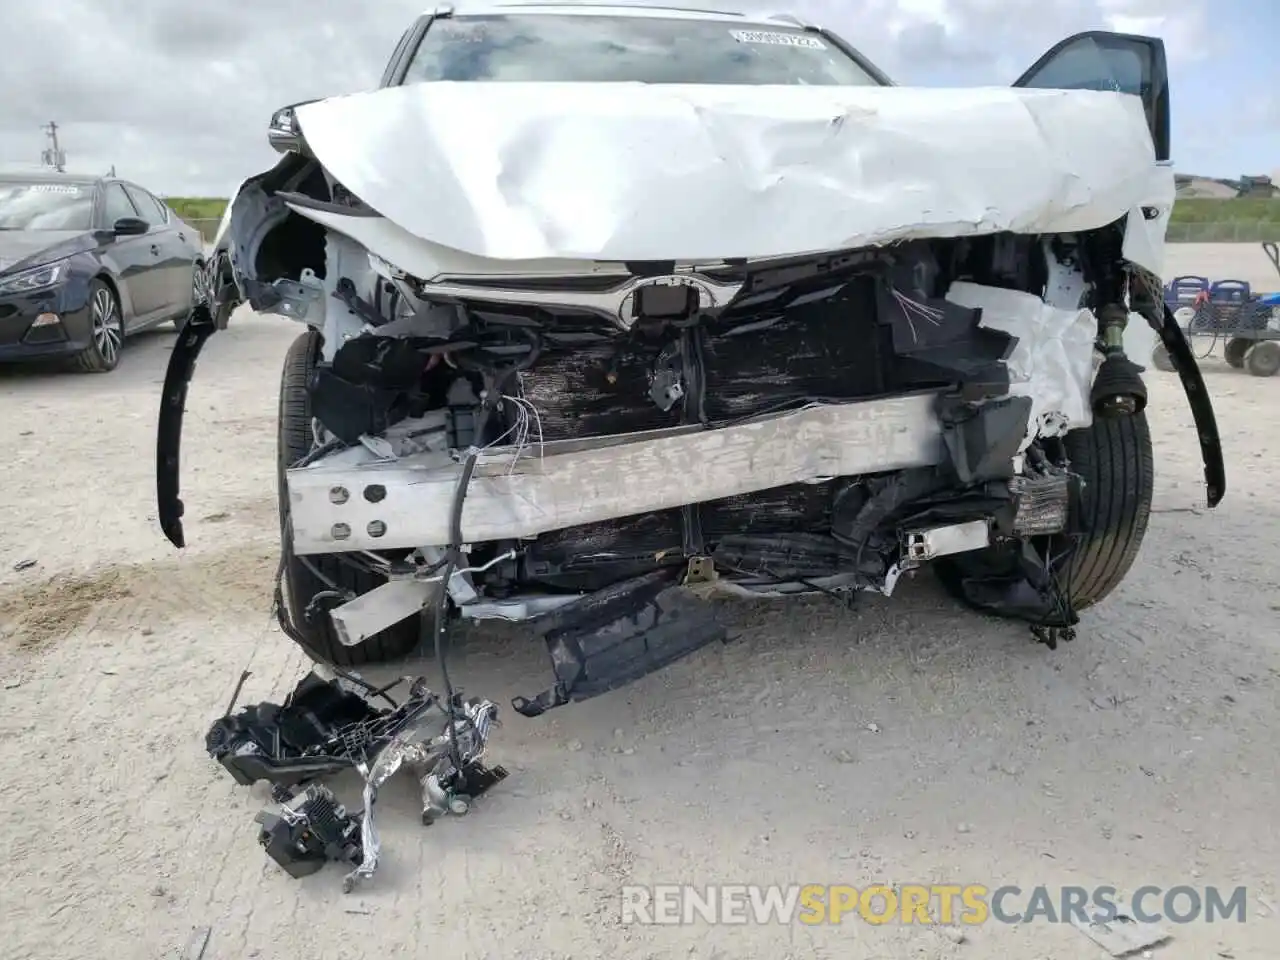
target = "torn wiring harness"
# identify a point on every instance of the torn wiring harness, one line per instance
(327, 726)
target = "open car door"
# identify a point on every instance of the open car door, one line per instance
(1124, 63)
(1136, 65)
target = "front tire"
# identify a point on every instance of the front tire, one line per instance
(1115, 460)
(106, 331)
(197, 291)
(302, 584)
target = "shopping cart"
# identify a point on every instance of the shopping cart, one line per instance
(1228, 310)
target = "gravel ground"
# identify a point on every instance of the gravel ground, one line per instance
(902, 741)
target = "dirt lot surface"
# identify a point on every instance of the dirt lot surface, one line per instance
(903, 741)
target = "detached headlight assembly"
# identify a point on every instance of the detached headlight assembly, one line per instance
(37, 278)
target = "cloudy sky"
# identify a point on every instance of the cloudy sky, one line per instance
(177, 94)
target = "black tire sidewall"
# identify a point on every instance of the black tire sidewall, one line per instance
(1115, 462)
(300, 585)
(294, 441)
(1263, 358)
(1234, 352)
(180, 322)
(91, 359)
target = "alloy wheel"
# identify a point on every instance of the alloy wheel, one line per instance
(108, 330)
(202, 282)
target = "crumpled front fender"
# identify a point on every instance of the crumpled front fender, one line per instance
(182, 363)
(1184, 362)
(226, 281)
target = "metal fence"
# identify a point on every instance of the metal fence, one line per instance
(208, 228)
(1227, 231)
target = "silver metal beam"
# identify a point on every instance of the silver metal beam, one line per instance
(523, 493)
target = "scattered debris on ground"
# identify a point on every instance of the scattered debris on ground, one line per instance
(1122, 935)
(328, 726)
(197, 944)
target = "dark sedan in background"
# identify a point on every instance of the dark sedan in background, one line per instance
(84, 263)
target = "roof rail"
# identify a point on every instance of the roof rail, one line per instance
(632, 4)
(679, 9)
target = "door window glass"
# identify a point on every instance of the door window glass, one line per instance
(1089, 65)
(117, 204)
(149, 207)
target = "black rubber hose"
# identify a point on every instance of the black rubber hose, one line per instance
(492, 398)
(453, 554)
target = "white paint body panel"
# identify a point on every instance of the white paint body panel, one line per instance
(1144, 237)
(570, 179)
(1052, 361)
(520, 172)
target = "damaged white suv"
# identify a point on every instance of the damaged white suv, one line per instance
(609, 310)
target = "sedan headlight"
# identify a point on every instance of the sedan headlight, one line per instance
(37, 278)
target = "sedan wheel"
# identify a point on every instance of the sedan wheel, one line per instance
(200, 292)
(106, 331)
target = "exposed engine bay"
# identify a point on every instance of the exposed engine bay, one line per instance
(327, 727)
(592, 348)
(824, 424)
(600, 447)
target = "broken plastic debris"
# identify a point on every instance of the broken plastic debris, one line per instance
(326, 726)
(197, 943)
(1122, 935)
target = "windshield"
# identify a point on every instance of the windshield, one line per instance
(45, 206)
(594, 49)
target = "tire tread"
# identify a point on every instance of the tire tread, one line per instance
(1115, 459)
(294, 442)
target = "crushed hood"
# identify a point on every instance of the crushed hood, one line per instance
(624, 172)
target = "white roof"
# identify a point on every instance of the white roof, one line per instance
(675, 12)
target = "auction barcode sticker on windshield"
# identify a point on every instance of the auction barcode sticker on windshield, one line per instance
(778, 39)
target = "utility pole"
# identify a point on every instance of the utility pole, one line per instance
(53, 155)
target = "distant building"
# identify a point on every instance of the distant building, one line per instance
(1260, 187)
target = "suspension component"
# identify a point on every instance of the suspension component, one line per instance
(1118, 390)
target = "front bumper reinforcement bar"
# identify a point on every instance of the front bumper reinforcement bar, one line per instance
(407, 503)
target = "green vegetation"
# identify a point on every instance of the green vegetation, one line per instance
(197, 208)
(1240, 210)
(1240, 220)
(203, 213)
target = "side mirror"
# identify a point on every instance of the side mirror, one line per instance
(130, 227)
(283, 132)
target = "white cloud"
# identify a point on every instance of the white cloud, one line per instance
(1184, 27)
